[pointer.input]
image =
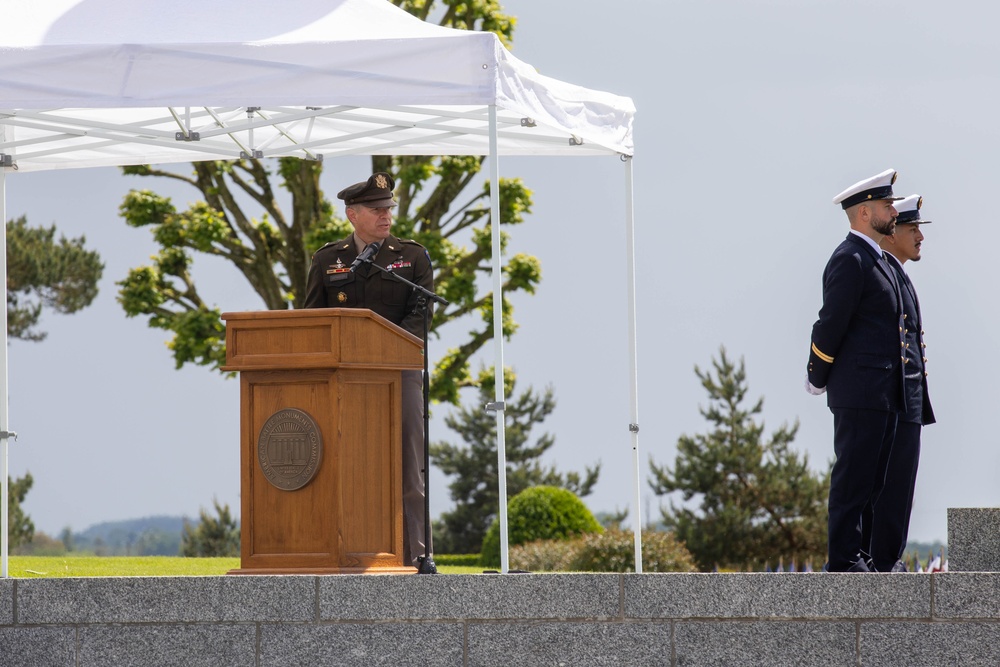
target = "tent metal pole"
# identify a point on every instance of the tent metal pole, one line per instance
(633, 426)
(498, 405)
(4, 472)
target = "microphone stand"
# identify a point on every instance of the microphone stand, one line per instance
(427, 565)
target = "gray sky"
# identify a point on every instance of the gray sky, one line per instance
(752, 115)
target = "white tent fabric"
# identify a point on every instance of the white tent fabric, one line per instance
(86, 83)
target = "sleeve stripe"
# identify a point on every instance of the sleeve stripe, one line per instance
(824, 357)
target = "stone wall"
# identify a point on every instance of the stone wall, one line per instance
(500, 620)
(974, 539)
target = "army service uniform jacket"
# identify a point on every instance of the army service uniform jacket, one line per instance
(331, 284)
(857, 340)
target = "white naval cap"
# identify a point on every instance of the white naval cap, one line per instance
(908, 209)
(870, 189)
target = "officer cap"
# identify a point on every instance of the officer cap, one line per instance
(870, 189)
(909, 211)
(376, 192)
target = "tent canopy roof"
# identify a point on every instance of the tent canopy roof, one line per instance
(111, 82)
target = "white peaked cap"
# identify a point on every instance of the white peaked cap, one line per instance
(908, 209)
(870, 189)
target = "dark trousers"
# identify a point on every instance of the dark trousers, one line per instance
(862, 441)
(889, 517)
(413, 464)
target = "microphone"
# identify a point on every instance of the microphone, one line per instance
(366, 255)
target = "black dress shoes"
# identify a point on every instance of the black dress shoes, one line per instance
(860, 566)
(857, 566)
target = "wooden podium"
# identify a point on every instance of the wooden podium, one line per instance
(320, 439)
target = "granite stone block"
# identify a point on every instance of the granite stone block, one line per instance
(547, 643)
(6, 601)
(38, 647)
(188, 645)
(765, 643)
(974, 539)
(967, 595)
(361, 645)
(166, 599)
(764, 595)
(470, 596)
(930, 644)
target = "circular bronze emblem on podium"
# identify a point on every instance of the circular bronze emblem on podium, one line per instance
(289, 449)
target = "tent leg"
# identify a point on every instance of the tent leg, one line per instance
(4, 510)
(498, 405)
(633, 426)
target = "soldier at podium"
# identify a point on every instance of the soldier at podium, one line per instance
(338, 280)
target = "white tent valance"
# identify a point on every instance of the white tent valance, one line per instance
(88, 83)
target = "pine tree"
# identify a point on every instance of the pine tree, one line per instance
(44, 273)
(20, 529)
(756, 499)
(474, 464)
(213, 536)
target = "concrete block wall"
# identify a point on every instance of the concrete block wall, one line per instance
(974, 539)
(500, 620)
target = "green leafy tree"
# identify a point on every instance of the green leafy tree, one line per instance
(213, 536)
(757, 499)
(20, 528)
(239, 219)
(474, 463)
(45, 273)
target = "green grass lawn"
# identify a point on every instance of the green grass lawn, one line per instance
(33, 567)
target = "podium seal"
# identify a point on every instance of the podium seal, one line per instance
(289, 449)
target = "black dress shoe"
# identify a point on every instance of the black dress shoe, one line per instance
(860, 566)
(857, 566)
(899, 566)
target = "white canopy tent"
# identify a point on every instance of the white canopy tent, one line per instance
(86, 83)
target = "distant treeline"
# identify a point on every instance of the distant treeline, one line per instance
(149, 536)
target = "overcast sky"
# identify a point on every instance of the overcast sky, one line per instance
(752, 115)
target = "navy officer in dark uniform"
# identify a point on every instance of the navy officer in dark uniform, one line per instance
(855, 359)
(890, 516)
(332, 284)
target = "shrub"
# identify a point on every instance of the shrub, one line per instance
(544, 555)
(614, 551)
(539, 513)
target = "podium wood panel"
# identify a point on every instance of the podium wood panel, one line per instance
(342, 368)
(318, 338)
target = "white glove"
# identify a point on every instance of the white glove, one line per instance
(815, 391)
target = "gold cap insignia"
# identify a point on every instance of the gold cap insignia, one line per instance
(381, 182)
